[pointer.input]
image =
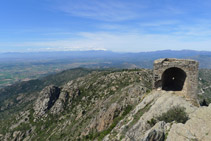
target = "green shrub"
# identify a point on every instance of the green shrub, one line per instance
(177, 114)
(152, 122)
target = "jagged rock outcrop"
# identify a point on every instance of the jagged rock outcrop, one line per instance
(54, 99)
(60, 103)
(108, 106)
(46, 100)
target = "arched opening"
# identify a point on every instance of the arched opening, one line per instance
(173, 79)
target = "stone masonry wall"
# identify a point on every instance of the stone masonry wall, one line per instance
(190, 67)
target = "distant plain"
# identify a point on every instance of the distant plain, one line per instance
(16, 67)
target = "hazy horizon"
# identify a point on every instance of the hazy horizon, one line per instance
(104, 51)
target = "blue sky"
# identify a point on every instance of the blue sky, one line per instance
(116, 25)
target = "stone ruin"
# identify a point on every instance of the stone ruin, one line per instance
(177, 75)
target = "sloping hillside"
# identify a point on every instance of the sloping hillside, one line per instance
(205, 86)
(101, 105)
(18, 96)
(82, 106)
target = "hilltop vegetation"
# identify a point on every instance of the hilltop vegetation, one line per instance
(16, 97)
(91, 104)
(205, 86)
(84, 110)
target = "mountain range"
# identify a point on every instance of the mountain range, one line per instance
(141, 59)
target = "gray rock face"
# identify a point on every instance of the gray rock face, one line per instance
(59, 105)
(156, 133)
(161, 102)
(54, 100)
(106, 118)
(197, 128)
(46, 100)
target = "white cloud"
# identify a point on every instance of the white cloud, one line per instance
(119, 10)
(128, 42)
(109, 10)
(159, 23)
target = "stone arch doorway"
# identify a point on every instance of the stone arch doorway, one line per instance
(173, 79)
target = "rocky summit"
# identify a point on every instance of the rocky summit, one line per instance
(108, 105)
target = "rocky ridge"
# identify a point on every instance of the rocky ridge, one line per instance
(107, 105)
(153, 105)
(83, 108)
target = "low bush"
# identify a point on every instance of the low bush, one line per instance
(177, 114)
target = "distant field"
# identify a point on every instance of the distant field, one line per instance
(12, 73)
(15, 67)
